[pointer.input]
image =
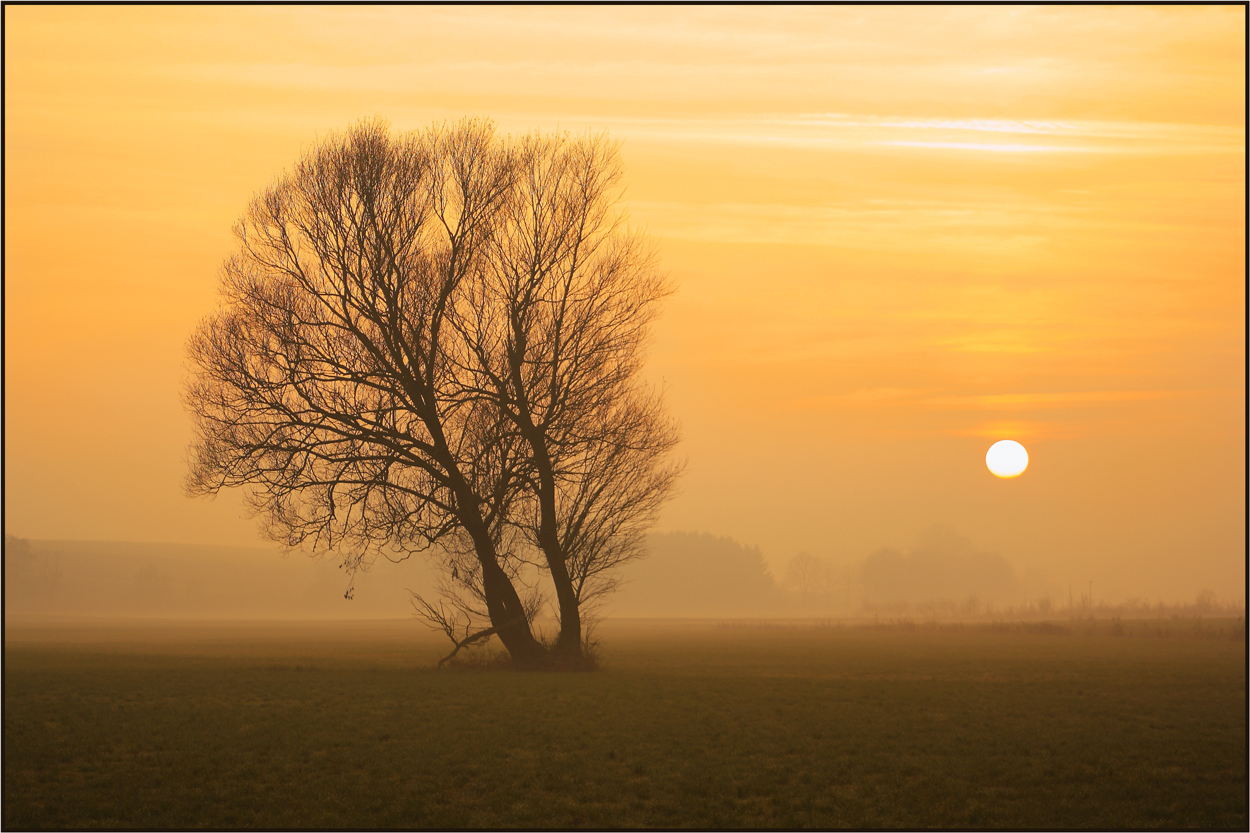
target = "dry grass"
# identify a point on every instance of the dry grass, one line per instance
(688, 725)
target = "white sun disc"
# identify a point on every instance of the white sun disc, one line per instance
(1007, 458)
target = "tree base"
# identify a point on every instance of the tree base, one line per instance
(502, 661)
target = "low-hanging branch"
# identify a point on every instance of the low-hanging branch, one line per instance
(467, 641)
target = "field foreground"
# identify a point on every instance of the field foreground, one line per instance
(695, 724)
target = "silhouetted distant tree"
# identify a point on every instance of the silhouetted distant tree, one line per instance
(809, 575)
(696, 574)
(941, 567)
(433, 341)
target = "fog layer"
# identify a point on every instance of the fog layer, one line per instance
(684, 574)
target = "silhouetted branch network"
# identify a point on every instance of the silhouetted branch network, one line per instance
(432, 343)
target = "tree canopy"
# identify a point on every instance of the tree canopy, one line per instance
(431, 343)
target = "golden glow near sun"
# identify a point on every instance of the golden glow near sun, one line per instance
(1007, 458)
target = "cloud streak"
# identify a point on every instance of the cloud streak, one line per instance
(926, 398)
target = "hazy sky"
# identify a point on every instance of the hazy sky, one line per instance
(898, 234)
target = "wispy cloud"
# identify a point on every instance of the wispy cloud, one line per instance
(932, 398)
(1064, 399)
(989, 226)
(847, 131)
(991, 147)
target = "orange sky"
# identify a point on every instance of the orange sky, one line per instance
(898, 234)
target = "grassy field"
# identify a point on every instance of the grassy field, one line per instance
(696, 724)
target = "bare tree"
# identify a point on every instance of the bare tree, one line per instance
(565, 307)
(388, 375)
(326, 382)
(810, 575)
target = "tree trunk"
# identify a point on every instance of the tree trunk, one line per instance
(507, 613)
(569, 643)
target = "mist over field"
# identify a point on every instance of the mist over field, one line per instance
(683, 575)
